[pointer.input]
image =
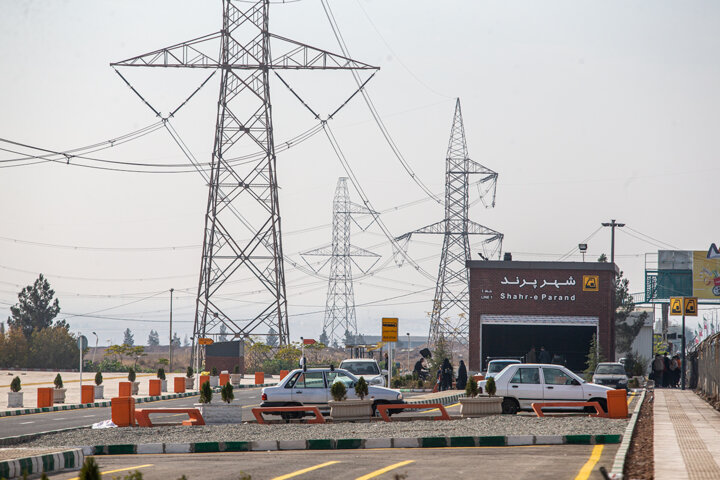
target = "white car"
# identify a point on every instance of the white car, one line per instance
(522, 384)
(611, 374)
(312, 387)
(497, 366)
(367, 368)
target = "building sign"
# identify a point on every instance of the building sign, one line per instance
(690, 305)
(591, 283)
(676, 305)
(389, 329)
(534, 289)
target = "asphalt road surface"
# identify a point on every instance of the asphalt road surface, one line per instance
(570, 462)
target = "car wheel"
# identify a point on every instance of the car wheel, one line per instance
(510, 406)
(287, 416)
(601, 401)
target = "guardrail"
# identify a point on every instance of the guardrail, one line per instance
(703, 367)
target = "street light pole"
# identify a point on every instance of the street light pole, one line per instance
(96, 345)
(171, 330)
(612, 224)
(408, 355)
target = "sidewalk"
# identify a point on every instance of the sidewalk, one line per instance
(686, 438)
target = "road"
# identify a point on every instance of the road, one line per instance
(516, 463)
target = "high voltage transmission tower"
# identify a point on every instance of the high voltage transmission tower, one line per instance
(242, 224)
(449, 317)
(340, 304)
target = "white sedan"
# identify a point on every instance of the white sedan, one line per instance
(522, 384)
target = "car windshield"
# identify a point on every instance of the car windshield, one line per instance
(610, 370)
(495, 367)
(361, 368)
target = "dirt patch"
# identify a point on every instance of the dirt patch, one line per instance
(640, 462)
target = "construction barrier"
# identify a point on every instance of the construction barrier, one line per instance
(87, 394)
(179, 384)
(142, 416)
(384, 407)
(259, 378)
(260, 410)
(44, 397)
(537, 407)
(122, 411)
(155, 387)
(124, 389)
(617, 403)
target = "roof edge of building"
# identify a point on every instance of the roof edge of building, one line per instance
(523, 265)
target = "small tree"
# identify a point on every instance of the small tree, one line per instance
(36, 308)
(490, 387)
(153, 339)
(227, 393)
(189, 372)
(98, 378)
(214, 372)
(128, 338)
(471, 388)
(594, 357)
(161, 373)
(206, 393)
(58, 381)
(15, 385)
(131, 374)
(338, 391)
(236, 369)
(361, 388)
(90, 470)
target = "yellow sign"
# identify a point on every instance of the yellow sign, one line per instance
(676, 305)
(706, 274)
(591, 283)
(205, 341)
(389, 329)
(691, 306)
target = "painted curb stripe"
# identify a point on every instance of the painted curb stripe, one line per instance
(48, 463)
(578, 439)
(325, 444)
(206, 447)
(433, 442)
(237, 446)
(462, 441)
(346, 443)
(621, 455)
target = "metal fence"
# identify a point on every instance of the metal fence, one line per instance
(703, 368)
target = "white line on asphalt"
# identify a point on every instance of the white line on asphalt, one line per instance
(88, 416)
(25, 423)
(61, 418)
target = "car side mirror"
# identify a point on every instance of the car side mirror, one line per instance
(384, 372)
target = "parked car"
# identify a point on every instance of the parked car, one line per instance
(524, 383)
(312, 387)
(497, 366)
(367, 368)
(611, 374)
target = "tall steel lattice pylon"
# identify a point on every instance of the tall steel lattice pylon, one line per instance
(242, 223)
(449, 317)
(340, 304)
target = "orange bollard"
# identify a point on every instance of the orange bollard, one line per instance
(155, 387)
(203, 379)
(87, 394)
(179, 384)
(283, 374)
(224, 378)
(125, 389)
(123, 411)
(617, 403)
(259, 378)
(44, 397)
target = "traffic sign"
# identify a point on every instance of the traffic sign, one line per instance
(691, 306)
(82, 343)
(676, 305)
(205, 341)
(309, 341)
(591, 283)
(389, 329)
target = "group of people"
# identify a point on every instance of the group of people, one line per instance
(445, 374)
(666, 371)
(534, 357)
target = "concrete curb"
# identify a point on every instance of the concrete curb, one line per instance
(352, 443)
(106, 403)
(51, 462)
(616, 473)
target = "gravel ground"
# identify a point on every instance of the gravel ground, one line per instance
(492, 425)
(13, 453)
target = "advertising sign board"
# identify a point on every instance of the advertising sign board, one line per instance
(389, 329)
(706, 275)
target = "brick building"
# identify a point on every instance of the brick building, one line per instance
(558, 305)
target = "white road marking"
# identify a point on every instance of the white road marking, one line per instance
(25, 423)
(61, 418)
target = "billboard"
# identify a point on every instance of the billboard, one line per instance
(706, 274)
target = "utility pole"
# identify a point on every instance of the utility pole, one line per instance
(452, 287)
(171, 331)
(242, 234)
(612, 224)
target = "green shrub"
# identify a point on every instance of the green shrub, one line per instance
(214, 372)
(206, 393)
(161, 373)
(338, 391)
(15, 385)
(98, 378)
(490, 387)
(361, 388)
(58, 381)
(190, 372)
(131, 374)
(236, 370)
(397, 382)
(471, 388)
(227, 393)
(90, 470)
(420, 384)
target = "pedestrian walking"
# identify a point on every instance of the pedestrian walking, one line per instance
(461, 377)
(544, 356)
(658, 367)
(446, 375)
(531, 356)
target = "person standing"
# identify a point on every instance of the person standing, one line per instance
(446, 375)
(462, 377)
(531, 356)
(544, 356)
(658, 367)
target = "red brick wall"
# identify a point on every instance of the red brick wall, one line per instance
(489, 285)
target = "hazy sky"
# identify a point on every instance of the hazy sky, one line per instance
(587, 110)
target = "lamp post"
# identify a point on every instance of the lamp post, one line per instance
(96, 345)
(612, 224)
(171, 332)
(408, 351)
(583, 248)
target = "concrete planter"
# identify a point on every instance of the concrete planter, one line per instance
(135, 388)
(59, 395)
(214, 381)
(163, 385)
(99, 391)
(235, 378)
(15, 399)
(189, 383)
(480, 406)
(351, 410)
(215, 413)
